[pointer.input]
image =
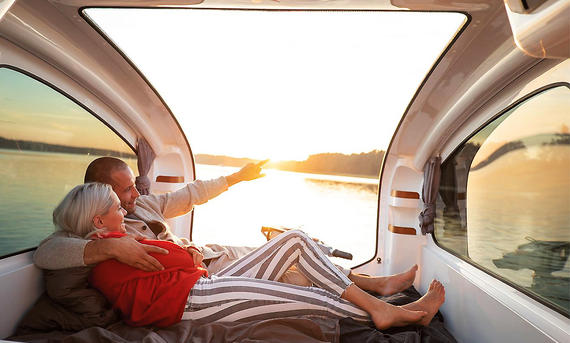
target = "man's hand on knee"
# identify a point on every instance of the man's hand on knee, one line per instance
(126, 250)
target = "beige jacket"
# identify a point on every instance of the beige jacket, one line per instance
(65, 250)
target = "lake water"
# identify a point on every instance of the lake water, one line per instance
(31, 185)
(341, 211)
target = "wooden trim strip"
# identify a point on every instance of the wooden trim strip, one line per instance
(404, 194)
(402, 230)
(170, 179)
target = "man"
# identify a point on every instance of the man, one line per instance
(146, 216)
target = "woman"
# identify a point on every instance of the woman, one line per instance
(245, 290)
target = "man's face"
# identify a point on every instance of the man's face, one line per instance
(124, 186)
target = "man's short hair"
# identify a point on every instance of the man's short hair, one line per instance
(100, 170)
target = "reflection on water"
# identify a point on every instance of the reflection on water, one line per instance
(339, 184)
(547, 260)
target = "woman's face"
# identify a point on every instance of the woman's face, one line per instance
(113, 219)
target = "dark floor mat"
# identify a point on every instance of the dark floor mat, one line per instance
(354, 332)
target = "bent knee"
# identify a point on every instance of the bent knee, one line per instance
(295, 233)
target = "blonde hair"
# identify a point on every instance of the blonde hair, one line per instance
(76, 211)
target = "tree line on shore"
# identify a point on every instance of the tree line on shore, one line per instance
(22, 145)
(363, 164)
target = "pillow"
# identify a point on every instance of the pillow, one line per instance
(69, 304)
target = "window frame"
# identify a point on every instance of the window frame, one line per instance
(85, 108)
(510, 283)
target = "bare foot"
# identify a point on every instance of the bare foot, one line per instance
(383, 315)
(399, 282)
(385, 285)
(429, 303)
(389, 316)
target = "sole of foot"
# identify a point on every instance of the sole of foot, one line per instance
(396, 316)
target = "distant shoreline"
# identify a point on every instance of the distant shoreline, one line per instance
(364, 165)
(20, 145)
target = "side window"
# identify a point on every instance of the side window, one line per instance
(46, 142)
(504, 199)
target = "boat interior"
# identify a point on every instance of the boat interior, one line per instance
(507, 58)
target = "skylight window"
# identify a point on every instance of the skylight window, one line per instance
(282, 84)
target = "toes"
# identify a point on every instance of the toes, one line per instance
(438, 290)
(436, 286)
(412, 270)
(440, 287)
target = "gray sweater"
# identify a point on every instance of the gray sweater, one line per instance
(65, 250)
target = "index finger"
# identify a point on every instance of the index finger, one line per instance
(151, 264)
(261, 163)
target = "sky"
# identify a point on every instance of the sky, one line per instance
(282, 85)
(543, 114)
(33, 111)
